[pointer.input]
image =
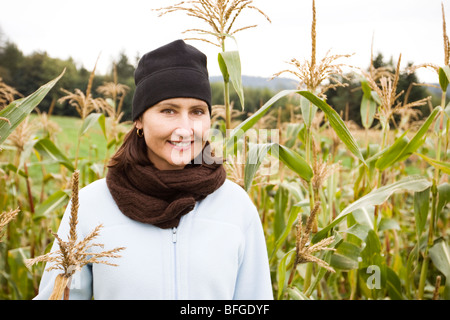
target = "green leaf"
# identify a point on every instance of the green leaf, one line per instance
(255, 156)
(292, 133)
(401, 150)
(292, 160)
(90, 120)
(17, 110)
(248, 123)
(440, 255)
(444, 76)
(296, 294)
(421, 206)
(223, 68)
(368, 109)
(394, 285)
(367, 92)
(13, 168)
(281, 271)
(47, 148)
(308, 110)
(364, 216)
(376, 197)
(359, 230)
(335, 121)
(388, 224)
(420, 136)
(281, 200)
(444, 196)
(52, 203)
(368, 106)
(346, 256)
(392, 153)
(371, 254)
(18, 272)
(230, 66)
(293, 214)
(441, 165)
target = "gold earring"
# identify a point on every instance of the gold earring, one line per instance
(140, 133)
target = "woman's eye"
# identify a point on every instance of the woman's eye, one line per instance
(168, 111)
(199, 112)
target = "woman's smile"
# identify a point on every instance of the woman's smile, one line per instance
(181, 145)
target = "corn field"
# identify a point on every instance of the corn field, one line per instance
(348, 214)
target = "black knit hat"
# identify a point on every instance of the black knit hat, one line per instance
(175, 70)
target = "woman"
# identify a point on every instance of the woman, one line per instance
(189, 232)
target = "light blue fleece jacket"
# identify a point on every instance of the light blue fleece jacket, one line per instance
(218, 251)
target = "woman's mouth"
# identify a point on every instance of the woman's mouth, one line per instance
(183, 145)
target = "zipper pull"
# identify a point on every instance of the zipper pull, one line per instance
(174, 234)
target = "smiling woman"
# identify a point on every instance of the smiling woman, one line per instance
(175, 131)
(189, 232)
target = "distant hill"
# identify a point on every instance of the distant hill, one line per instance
(276, 84)
(437, 91)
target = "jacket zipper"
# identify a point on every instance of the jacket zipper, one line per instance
(174, 241)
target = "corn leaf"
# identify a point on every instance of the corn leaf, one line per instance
(440, 255)
(368, 105)
(333, 117)
(257, 153)
(281, 272)
(19, 275)
(394, 285)
(421, 206)
(293, 214)
(47, 148)
(293, 132)
(441, 165)
(292, 160)
(223, 68)
(346, 256)
(240, 130)
(296, 294)
(281, 200)
(90, 120)
(401, 150)
(17, 110)
(230, 66)
(308, 110)
(376, 197)
(444, 196)
(444, 76)
(368, 109)
(52, 203)
(392, 153)
(336, 123)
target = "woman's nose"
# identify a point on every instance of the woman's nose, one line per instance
(185, 127)
(182, 133)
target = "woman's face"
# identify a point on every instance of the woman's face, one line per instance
(175, 131)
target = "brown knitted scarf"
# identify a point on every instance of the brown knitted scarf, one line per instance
(161, 197)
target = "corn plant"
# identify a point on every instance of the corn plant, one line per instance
(41, 207)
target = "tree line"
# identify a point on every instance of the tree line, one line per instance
(26, 73)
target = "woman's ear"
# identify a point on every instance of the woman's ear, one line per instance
(138, 123)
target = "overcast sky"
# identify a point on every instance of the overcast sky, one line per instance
(83, 29)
